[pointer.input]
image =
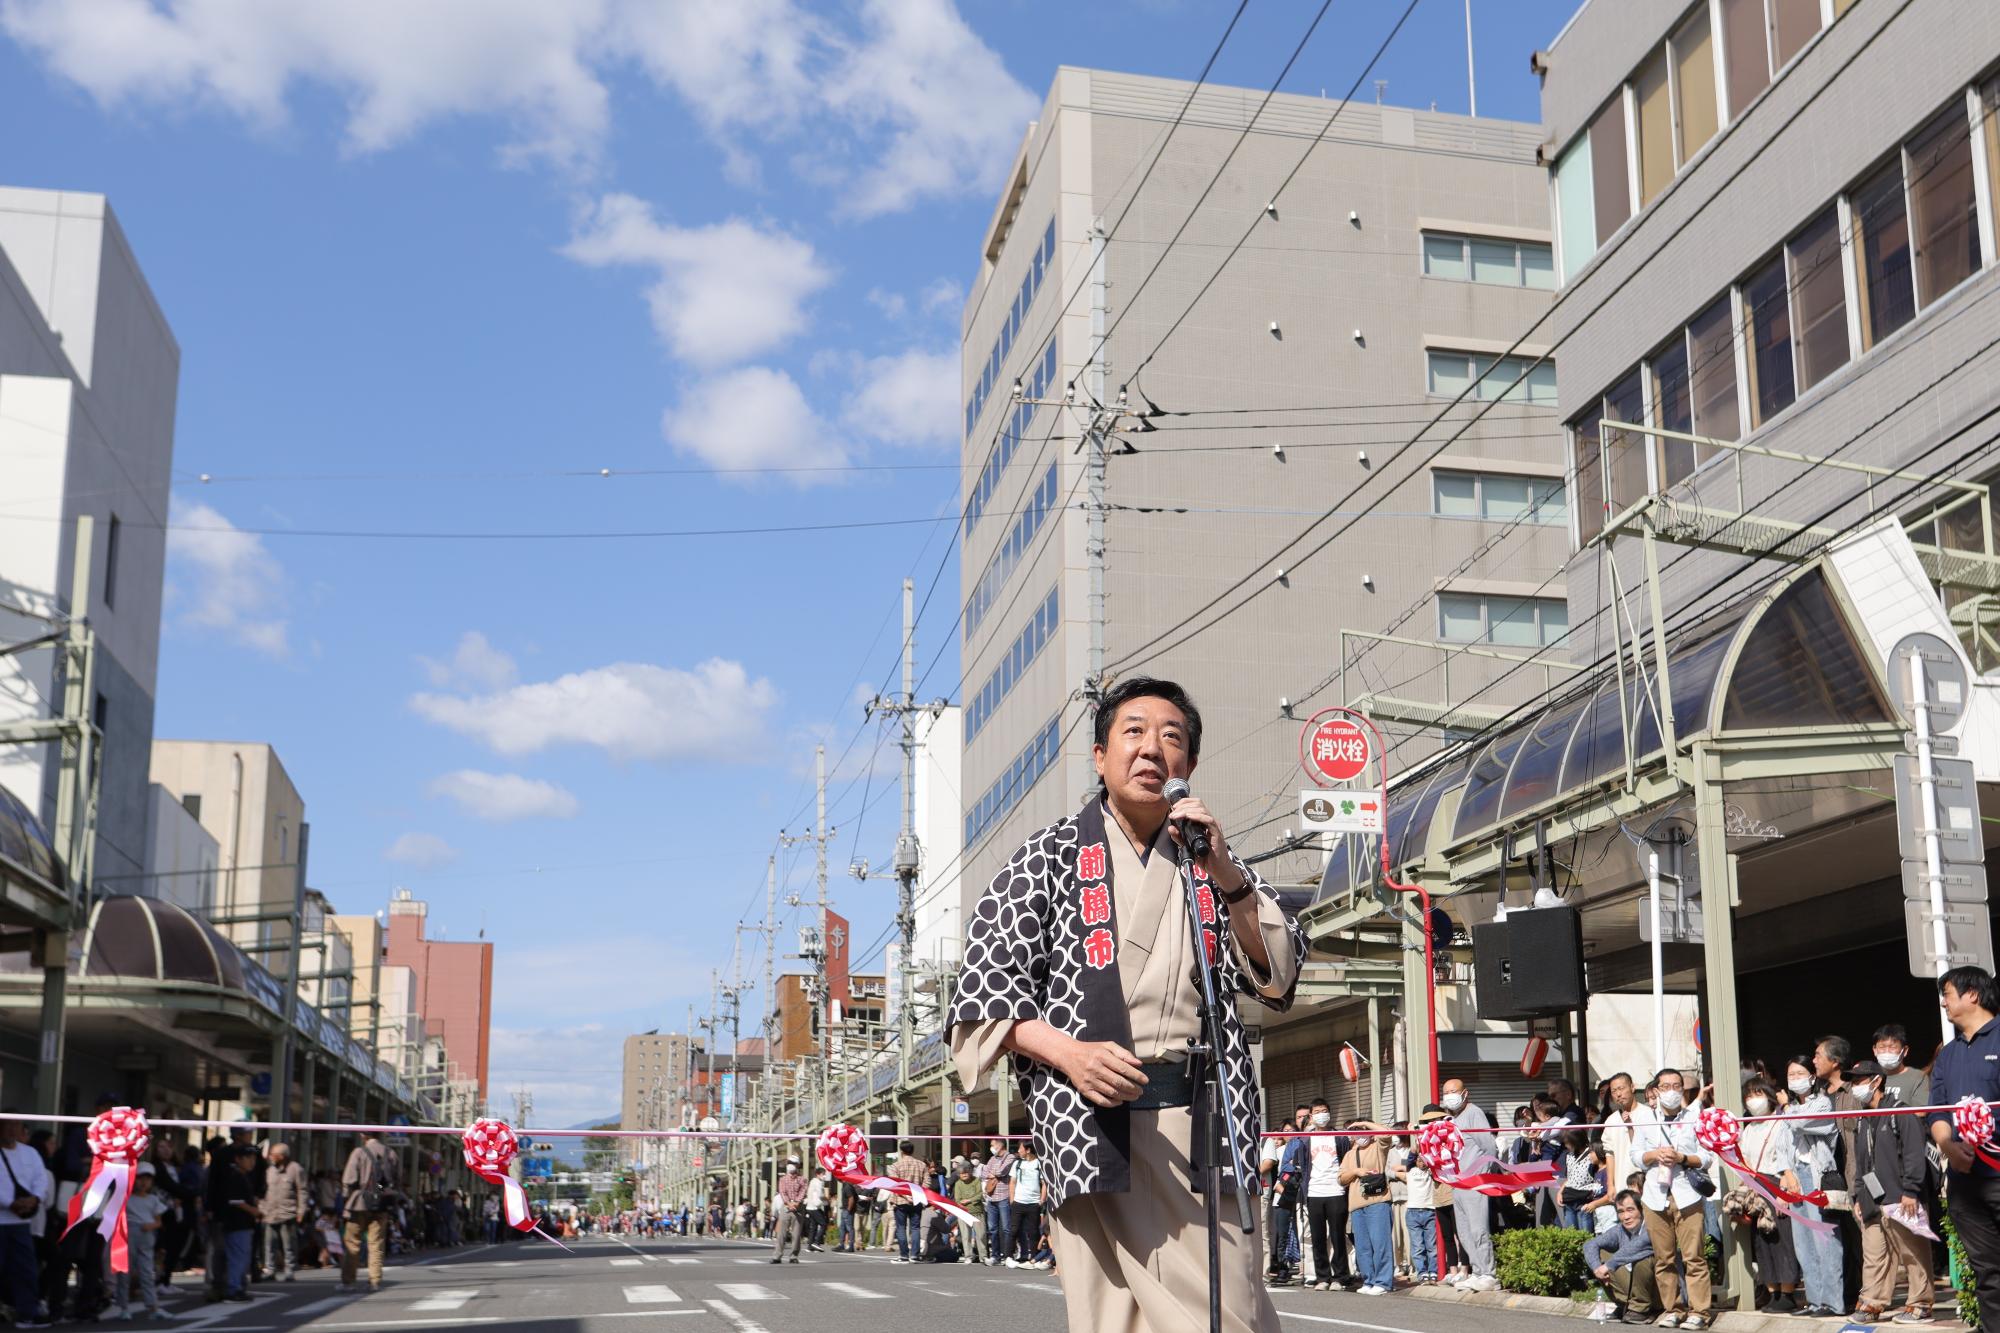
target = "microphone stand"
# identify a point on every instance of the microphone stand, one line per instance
(1222, 1097)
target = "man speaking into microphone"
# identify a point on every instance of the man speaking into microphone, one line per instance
(1079, 964)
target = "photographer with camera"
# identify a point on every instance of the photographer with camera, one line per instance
(370, 1182)
(1364, 1170)
(1678, 1179)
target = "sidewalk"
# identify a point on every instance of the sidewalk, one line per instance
(1726, 1321)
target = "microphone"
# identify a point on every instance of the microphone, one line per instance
(1193, 836)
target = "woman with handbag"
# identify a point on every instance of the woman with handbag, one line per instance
(1767, 1147)
(1814, 1133)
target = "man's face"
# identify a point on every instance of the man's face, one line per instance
(1146, 745)
(1955, 1006)
(1671, 1083)
(1621, 1093)
(279, 1156)
(1628, 1214)
(1454, 1087)
(1302, 1117)
(1823, 1066)
(1890, 1053)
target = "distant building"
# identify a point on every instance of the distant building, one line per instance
(454, 985)
(654, 1081)
(183, 859)
(242, 796)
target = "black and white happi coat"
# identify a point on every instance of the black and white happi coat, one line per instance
(1043, 943)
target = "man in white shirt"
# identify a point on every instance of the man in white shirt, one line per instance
(1470, 1208)
(1665, 1148)
(25, 1188)
(1618, 1131)
(1326, 1202)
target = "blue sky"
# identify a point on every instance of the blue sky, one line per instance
(432, 268)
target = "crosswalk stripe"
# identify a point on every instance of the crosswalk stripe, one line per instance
(624, 1263)
(321, 1306)
(445, 1300)
(683, 1259)
(653, 1295)
(739, 1321)
(858, 1293)
(748, 1291)
(753, 1262)
(928, 1290)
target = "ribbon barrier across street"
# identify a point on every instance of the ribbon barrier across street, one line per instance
(1441, 1144)
(490, 1149)
(118, 1141)
(843, 1151)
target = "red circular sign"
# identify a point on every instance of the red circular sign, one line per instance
(1336, 749)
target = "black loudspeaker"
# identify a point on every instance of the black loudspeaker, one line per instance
(1530, 965)
(882, 1137)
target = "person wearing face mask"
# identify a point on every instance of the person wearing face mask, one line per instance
(1326, 1201)
(1664, 1144)
(1901, 1084)
(1890, 1166)
(1469, 1207)
(791, 1219)
(1814, 1134)
(1767, 1148)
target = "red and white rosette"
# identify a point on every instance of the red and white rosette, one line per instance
(118, 1141)
(843, 1151)
(1441, 1145)
(1973, 1121)
(490, 1149)
(1719, 1131)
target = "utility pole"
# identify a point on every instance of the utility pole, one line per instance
(909, 851)
(812, 939)
(76, 815)
(1094, 540)
(1471, 81)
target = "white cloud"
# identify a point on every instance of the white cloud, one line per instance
(630, 710)
(721, 293)
(952, 114)
(425, 851)
(910, 398)
(573, 1071)
(753, 417)
(474, 663)
(224, 579)
(893, 102)
(503, 797)
(397, 66)
(942, 296)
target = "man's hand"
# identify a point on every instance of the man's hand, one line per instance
(1603, 1271)
(25, 1205)
(1104, 1072)
(1221, 870)
(1957, 1155)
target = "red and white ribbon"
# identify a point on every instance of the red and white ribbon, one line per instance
(1719, 1131)
(1973, 1119)
(490, 1148)
(843, 1151)
(1441, 1144)
(118, 1141)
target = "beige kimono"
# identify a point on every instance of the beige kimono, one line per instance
(1137, 1261)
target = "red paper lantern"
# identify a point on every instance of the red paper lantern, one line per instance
(1533, 1055)
(1350, 1063)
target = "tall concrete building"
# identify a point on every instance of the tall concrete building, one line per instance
(1394, 271)
(454, 985)
(655, 1080)
(242, 797)
(89, 372)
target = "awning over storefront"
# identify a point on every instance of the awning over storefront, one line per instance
(1788, 662)
(31, 878)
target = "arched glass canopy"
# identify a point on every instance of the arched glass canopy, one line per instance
(1789, 662)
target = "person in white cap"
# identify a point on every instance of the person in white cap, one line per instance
(145, 1210)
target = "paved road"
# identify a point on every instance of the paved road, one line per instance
(611, 1285)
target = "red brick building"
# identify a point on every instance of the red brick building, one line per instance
(454, 985)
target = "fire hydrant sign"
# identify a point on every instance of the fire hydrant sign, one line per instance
(1340, 811)
(1335, 749)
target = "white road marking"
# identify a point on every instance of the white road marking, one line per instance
(431, 1323)
(654, 1295)
(753, 1262)
(321, 1306)
(739, 1321)
(747, 1291)
(683, 1259)
(639, 1314)
(859, 1293)
(928, 1290)
(1347, 1323)
(624, 1263)
(445, 1300)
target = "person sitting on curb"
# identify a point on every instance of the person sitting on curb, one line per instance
(1622, 1259)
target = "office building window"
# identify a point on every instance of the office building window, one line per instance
(1013, 549)
(1695, 118)
(1673, 409)
(1522, 622)
(1494, 262)
(1793, 24)
(1040, 264)
(1656, 126)
(1576, 216)
(1587, 452)
(1027, 646)
(1944, 217)
(1767, 326)
(1449, 374)
(1746, 54)
(1624, 450)
(1819, 295)
(1021, 775)
(111, 532)
(1499, 497)
(1712, 354)
(1611, 186)
(1882, 256)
